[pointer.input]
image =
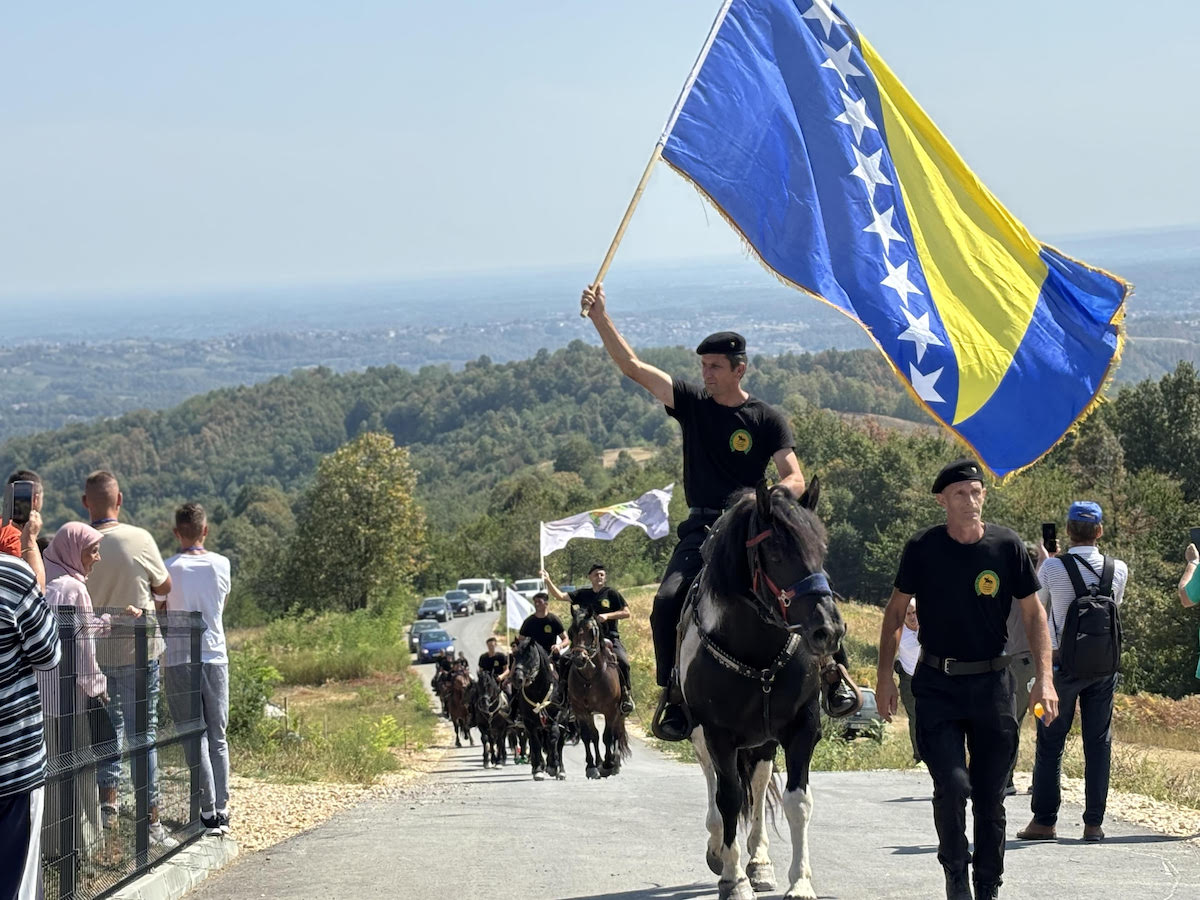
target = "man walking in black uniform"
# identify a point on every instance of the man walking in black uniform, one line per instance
(967, 574)
(729, 438)
(609, 607)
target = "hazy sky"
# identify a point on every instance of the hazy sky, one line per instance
(178, 146)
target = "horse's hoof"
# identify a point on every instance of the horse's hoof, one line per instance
(762, 876)
(801, 890)
(739, 890)
(593, 772)
(539, 775)
(458, 743)
(714, 862)
(552, 770)
(561, 776)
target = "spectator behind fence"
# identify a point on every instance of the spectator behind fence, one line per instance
(1189, 584)
(200, 583)
(69, 560)
(28, 641)
(1021, 666)
(907, 656)
(131, 570)
(21, 541)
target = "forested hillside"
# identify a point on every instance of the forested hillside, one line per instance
(488, 452)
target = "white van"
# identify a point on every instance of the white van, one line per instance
(527, 587)
(482, 591)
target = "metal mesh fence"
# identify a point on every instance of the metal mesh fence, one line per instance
(123, 743)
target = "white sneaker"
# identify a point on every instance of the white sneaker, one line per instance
(223, 822)
(160, 837)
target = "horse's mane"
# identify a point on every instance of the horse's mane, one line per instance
(531, 647)
(726, 560)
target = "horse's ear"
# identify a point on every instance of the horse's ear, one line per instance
(762, 497)
(810, 497)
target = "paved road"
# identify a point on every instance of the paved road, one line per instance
(469, 832)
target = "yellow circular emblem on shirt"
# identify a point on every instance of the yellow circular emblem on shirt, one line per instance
(604, 603)
(740, 441)
(548, 629)
(987, 584)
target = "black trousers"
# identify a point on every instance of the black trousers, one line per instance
(956, 714)
(682, 569)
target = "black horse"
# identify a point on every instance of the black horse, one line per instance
(489, 707)
(538, 697)
(760, 618)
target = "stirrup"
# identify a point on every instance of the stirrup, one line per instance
(831, 674)
(666, 699)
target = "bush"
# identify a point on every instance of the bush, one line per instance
(251, 680)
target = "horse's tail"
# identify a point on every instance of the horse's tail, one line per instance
(622, 738)
(747, 762)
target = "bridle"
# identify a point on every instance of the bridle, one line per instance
(774, 601)
(581, 651)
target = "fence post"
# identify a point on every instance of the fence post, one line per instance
(195, 673)
(139, 760)
(65, 775)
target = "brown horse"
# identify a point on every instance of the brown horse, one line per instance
(594, 687)
(461, 695)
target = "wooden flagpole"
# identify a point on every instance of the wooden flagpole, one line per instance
(658, 148)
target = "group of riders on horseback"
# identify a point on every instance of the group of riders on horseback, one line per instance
(549, 688)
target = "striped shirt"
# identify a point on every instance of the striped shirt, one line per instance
(28, 641)
(1057, 587)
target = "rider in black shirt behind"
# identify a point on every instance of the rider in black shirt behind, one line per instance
(609, 607)
(495, 664)
(544, 627)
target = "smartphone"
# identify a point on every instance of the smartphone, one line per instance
(18, 502)
(1050, 537)
(1195, 532)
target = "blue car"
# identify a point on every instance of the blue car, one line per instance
(432, 643)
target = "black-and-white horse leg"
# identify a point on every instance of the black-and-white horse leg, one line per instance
(712, 821)
(730, 797)
(798, 803)
(759, 870)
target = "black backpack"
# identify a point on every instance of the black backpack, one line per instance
(1090, 643)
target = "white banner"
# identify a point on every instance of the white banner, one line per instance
(519, 609)
(648, 512)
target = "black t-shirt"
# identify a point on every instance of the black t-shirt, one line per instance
(605, 601)
(965, 591)
(544, 631)
(493, 664)
(725, 448)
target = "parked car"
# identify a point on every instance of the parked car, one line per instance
(416, 629)
(461, 603)
(482, 591)
(435, 608)
(527, 587)
(867, 721)
(432, 643)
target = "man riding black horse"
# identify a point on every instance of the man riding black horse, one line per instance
(729, 438)
(445, 671)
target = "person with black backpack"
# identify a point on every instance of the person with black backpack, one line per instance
(1084, 589)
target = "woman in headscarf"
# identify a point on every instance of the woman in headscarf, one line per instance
(69, 559)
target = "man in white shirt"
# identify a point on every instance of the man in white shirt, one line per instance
(200, 584)
(1094, 695)
(907, 657)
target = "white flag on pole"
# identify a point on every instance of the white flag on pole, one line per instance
(518, 609)
(648, 512)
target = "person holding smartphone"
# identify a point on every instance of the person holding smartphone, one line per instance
(19, 535)
(1189, 584)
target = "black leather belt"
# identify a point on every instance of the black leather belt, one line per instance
(704, 511)
(950, 666)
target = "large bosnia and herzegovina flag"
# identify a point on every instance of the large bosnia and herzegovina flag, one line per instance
(808, 144)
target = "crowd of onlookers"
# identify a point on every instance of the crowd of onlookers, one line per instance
(95, 581)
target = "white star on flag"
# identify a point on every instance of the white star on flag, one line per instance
(822, 12)
(839, 61)
(924, 384)
(868, 170)
(882, 226)
(918, 332)
(897, 280)
(855, 116)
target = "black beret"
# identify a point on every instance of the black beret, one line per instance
(959, 470)
(722, 342)
(598, 567)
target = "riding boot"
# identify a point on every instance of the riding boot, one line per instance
(841, 696)
(957, 885)
(671, 721)
(627, 705)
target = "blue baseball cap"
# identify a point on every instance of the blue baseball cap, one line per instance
(1085, 511)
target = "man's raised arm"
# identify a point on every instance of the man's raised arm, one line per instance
(656, 381)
